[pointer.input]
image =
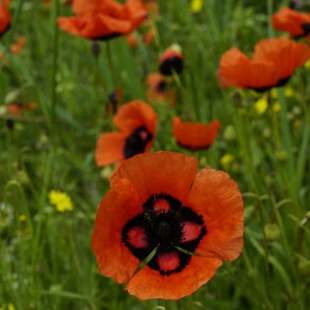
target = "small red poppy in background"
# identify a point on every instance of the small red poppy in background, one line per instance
(194, 135)
(103, 20)
(158, 89)
(297, 24)
(137, 123)
(171, 61)
(272, 64)
(18, 108)
(157, 204)
(5, 17)
(17, 47)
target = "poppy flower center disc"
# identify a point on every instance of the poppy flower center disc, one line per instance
(167, 226)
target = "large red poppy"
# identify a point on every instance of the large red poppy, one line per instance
(157, 203)
(5, 17)
(103, 20)
(272, 64)
(297, 24)
(194, 135)
(137, 123)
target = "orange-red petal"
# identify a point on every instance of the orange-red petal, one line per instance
(217, 198)
(148, 283)
(194, 135)
(290, 21)
(239, 71)
(159, 172)
(5, 17)
(286, 55)
(110, 148)
(113, 257)
(133, 115)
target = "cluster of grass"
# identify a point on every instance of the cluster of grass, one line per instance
(46, 260)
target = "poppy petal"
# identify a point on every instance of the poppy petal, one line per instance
(194, 135)
(133, 115)
(175, 286)
(285, 54)
(290, 21)
(217, 198)
(239, 71)
(159, 173)
(5, 17)
(110, 148)
(113, 257)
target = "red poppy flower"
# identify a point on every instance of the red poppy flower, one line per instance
(171, 61)
(194, 136)
(5, 17)
(103, 20)
(158, 89)
(17, 47)
(17, 108)
(157, 203)
(137, 123)
(272, 64)
(295, 23)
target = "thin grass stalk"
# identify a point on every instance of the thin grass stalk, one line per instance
(54, 69)
(269, 13)
(286, 138)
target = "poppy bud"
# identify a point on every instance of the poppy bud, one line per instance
(281, 155)
(171, 60)
(230, 133)
(304, 268)
(10, 124)
(272, 231)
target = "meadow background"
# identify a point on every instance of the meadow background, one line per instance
(46, 261)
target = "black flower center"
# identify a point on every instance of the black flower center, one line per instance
(170, 65)
(137, 141)
(167, 226)
(161, 87)
(163, 229)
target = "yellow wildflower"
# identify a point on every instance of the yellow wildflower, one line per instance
(261, 105)
(307, 64)
(274, 93)
(22, 218)
(288, 92)
(61, 200)
(227, 160)
(8, 306)
(276, 107)
(196, 6)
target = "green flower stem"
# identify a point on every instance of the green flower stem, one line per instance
(111, 65)
(286, 137)
(54, 69)
(185, 95)
(269, 13)
(190, 302)
(25, 210)
(265, 241)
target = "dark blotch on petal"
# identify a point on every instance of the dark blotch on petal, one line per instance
(170, 65)
(140, 253)
(136, 142)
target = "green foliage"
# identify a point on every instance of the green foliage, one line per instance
(46, 260)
